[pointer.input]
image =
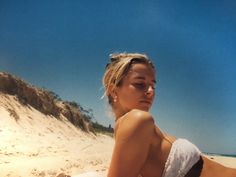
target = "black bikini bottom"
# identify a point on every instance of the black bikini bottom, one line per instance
(195, 171)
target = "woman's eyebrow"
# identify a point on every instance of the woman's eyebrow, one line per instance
(143, 78)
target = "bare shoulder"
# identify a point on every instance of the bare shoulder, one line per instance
(135, 122)
(139, 116)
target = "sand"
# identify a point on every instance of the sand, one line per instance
(224, 160)
(36, 145)
(40, 145)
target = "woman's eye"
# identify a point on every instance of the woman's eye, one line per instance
(140, 85)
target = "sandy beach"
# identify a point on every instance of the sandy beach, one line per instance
(226, 161)
(36, 145)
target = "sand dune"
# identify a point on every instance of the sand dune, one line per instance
(40, 145)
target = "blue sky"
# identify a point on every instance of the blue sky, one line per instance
(64, 46)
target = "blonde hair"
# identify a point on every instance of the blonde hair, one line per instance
(118, 67)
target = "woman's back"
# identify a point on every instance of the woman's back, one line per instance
(213, 169)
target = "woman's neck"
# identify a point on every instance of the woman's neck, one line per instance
(119, 113)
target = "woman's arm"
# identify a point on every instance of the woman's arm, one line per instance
(133, 139)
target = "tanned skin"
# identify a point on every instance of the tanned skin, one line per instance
(141, 148)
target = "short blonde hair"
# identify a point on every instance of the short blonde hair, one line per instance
(117, 69)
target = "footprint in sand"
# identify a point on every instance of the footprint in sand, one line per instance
(37, 173)
(42, 174)
(9, 175)
(33, 154)
(8, 154)
(95, 162)
(40, 134)
(63, 175)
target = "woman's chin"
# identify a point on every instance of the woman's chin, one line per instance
(144, 108)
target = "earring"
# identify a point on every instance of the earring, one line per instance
(115, 99)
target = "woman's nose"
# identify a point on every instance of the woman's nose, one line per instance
(150, 91)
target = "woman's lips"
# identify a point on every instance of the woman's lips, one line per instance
(146, 101)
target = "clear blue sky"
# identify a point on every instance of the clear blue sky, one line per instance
(64, 45)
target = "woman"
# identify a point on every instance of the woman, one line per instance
(141, 148)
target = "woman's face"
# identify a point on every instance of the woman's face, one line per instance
(137, 89)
